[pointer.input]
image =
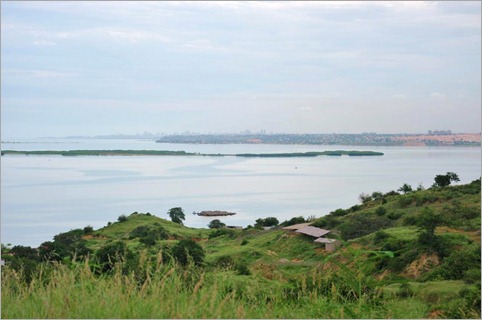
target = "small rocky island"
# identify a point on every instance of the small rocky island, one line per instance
(216, 213)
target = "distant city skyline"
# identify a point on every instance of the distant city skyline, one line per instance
(76, 68)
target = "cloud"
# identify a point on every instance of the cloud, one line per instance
(44, 43)
(437, 95)
(40, 74)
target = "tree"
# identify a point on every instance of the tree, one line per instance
(270, 222)
(406, 188)
(176, 215)
(428, 221)
(88, 229)
(364, 197)
(216, 224)
(292, 221)
(445, 180)
(122, 218)
(267, 222)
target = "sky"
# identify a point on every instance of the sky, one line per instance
(107, 67)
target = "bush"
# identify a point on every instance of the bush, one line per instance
(380, 236)
(359, 226)
(339, 213)
(110, 254)
(88, 230)
(328, 222)
(216, 224)
(377, 195)
(405, 201)
(364, 197)
(244, 242)
(188, 250)
(221, 232)
(225, 262)
(380, 211)
(242, 269)
(267, 222)
(122, 218)
(394, 215)
(292, 221)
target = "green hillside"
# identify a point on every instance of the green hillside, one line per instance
(406, 254)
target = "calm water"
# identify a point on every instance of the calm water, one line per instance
(44, 195)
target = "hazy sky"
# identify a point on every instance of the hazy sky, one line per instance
(88, 68)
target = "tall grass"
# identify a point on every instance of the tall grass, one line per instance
(169, 291)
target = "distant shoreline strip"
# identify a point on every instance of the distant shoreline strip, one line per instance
(72, 153)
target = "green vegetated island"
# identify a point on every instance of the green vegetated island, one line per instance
(410, 253)
(183, 153)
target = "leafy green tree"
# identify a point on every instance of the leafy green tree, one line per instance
(216, 224)
(67, 245)
(446, 179)
(88, 230)
(122, 218)
(270, 222)
(292, 221)
(176, 215)
(267, 222)
(406, 188)
(188, 250)
(428, 221)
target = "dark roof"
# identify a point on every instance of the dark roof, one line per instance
(313, 231)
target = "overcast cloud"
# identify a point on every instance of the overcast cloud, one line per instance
(88, 68)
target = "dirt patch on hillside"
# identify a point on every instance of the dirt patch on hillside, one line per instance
(422, 265)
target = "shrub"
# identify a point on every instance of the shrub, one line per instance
(293, 221)
(267, 222)
(244, 242)
(221, 232)
(394, 215)
(328, 222)
(216, 224)
(405, 201)
(224, 262)
(188, 250)
(359, 226)
(405, 291)
(377, 195)
(110, 254)
(380, 211)
(122, 218)
(364, 197)
(242, 269)
(339, 213)
(380, 236)
(88, 230)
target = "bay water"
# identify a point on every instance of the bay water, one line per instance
(42, 196)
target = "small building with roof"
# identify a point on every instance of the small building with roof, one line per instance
(318, 233)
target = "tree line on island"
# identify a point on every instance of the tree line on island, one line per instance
(72, 153)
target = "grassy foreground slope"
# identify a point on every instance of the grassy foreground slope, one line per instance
(413, 255)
